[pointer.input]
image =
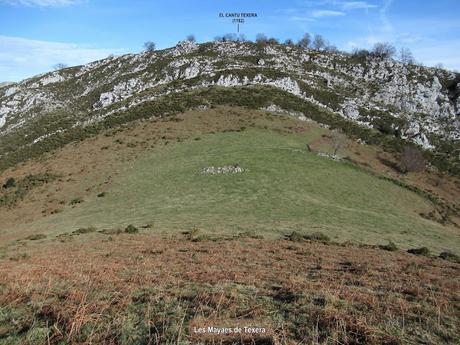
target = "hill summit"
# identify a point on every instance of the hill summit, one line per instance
(369, 97)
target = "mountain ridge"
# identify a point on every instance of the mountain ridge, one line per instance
(407, 102)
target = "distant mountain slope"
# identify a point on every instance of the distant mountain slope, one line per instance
(401, 101)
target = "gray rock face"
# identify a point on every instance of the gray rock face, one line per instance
(412, 100)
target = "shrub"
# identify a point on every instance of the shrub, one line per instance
(131, 229)
(449, 256)
(10, 183)
(391, 247)
(294, 236)
(81, 231)
(35, 237)
(318, 236)
(419, 251)
(412, 160)
(101, 195)
(76, 201)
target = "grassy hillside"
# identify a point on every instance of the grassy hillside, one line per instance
(285, 189)
(121, 239)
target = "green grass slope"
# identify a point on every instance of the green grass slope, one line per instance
(285, 189)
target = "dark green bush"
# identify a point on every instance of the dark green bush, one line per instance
(35, 237)
(131, 229)
(294, 236)
(419, 251)
(318, 236)
(391, 247)
(10, 183)
(449, 256)
(76, 201)
(81, 231)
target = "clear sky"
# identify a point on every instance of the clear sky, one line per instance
(37, 34)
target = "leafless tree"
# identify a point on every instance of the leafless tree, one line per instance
(406, 57)
(384, 50)
(289, 42)
(59, 66)
(412, 160)
(339, 140)
(319, 42)
(360, 53)
(273, 40)
(261, 39)
(191, 38)
(230, 37)
(305, 41)
(439, 65)
(149, 46)
(331, 48)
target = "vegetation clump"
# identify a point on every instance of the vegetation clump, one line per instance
(390, 246)
(35, 237)
(82, 231)
(424, 251)
(75, 201)
(131, 229)
(10, 183)
(15, 191)
(449, 256)
(318, 237)
(295, 237)
(412, 160)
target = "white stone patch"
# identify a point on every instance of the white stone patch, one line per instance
(52, 78)
(10, 91)
(228, 169)
(2, 119)
(350, 110)
(184, 47)
(191, 71)
(273, 108)
(326, 155)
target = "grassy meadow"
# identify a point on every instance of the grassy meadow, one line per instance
(285, 188)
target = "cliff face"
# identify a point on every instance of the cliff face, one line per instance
(411, 102)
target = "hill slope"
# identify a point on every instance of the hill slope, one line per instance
(157, 172)
(147, 197)
(400, 101)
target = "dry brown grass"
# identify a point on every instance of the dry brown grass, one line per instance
(302, 292)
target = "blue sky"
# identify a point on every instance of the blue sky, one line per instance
(37, 34)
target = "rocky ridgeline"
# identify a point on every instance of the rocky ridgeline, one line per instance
(412, 102)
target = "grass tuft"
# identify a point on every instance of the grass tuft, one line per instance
(131, 229)
(35, 237)
(75, 201)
